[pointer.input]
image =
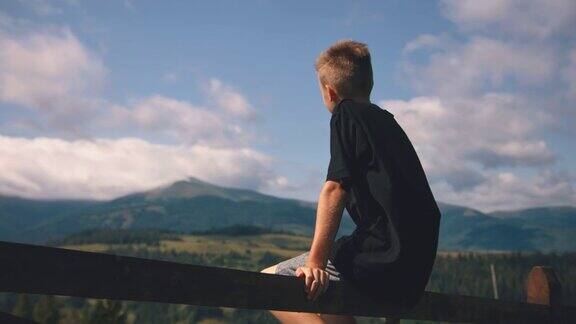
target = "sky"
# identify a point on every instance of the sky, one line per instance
(103, 98)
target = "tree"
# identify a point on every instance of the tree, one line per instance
(23, 308)
(46, 310)
(106, 312)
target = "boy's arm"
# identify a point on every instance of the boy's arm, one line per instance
(330, 205)
(329, 214)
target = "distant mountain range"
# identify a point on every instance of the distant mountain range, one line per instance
(194, 205)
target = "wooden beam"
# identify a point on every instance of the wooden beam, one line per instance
(13, 319)
(54, 271)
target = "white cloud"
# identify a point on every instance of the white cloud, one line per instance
(38, 68)
(176, 120)
(470, 151)
(51, 72)
(490, 98)
(507, 190)
(465, 144)
(524, 18)
(229, 99)
(514, 153)
(170, 77)
(421, 42)
(492, 131)
(481, 64)
(101, 169)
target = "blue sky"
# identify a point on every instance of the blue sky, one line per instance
(103, 98)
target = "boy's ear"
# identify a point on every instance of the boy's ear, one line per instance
(332, 95)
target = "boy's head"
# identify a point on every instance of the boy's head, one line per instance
(344, 72)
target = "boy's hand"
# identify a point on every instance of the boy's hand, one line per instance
(316, 281)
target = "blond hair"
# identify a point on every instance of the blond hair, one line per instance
(347, 67)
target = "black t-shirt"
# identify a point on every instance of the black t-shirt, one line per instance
(392, 250)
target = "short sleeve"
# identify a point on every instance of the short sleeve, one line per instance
(339, 168)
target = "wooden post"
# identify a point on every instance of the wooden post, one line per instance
(494, 282)
(543, 288)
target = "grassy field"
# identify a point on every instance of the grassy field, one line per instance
(285, 245)
(255, 246)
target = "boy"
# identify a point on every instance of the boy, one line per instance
(375, 173)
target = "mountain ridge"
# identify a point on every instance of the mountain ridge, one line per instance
(192, 204)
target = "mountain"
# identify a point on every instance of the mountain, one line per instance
(535, 229)
(193, 188)
(193, 205)
(554, 227)
(19, 214)
(463, 228)
(188, 205)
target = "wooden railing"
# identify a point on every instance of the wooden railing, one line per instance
(45, 270)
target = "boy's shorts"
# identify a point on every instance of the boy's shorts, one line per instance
(288, 267)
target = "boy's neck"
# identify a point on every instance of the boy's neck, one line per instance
(359, 99)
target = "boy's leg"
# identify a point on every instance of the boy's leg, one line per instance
(292, 317)
(337, 319)
(271, 270)
(297, 317)
(288, 267)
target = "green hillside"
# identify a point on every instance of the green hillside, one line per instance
(17, 215)
(553, 226)
(184, 206)
(192, 205)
